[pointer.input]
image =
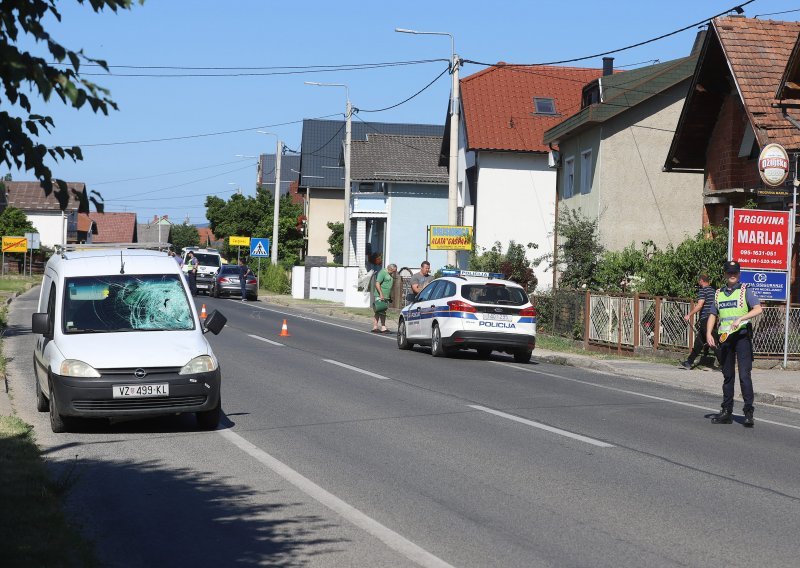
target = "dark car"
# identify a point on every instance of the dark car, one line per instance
(226, 283)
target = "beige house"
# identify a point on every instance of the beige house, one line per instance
(610, 156)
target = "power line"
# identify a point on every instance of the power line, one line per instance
(262, 68)
(265, 73)
(738, 8)
(177, 196)
(404, 101)
(191, 136)
(250, 165)
(776, 13)
(165, 173)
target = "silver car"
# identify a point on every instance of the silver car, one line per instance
(227, 283)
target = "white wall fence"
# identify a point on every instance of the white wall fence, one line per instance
(654, 322)
(331, 283)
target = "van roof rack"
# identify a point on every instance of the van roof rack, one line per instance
(72, 247)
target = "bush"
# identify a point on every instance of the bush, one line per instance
(275, 279)
(513, 263)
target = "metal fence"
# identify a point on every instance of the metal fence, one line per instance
(629, 322)
(561, 312)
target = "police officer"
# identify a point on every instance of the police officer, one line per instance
(734, 305)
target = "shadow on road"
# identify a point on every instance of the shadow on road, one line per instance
(185, 517)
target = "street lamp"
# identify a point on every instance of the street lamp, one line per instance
(276, 209)
(347, 139)
(452, 193)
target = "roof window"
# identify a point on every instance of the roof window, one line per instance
(544, 106)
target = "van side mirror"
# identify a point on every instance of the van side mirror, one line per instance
(215, 322)
(40, 323)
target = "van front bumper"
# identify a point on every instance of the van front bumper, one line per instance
(94, 397)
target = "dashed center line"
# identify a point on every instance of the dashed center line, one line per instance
(265, 340)
(357, 370)
(541, 426)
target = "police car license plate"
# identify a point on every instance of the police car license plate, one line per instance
(137, 391)
(497, 317)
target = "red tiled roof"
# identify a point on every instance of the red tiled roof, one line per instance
(206, 236)
(29, 196)
(114, 227)
(758, 51)
(85, 223)
(498, 106)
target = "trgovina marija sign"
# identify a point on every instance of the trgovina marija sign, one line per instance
(760, 239)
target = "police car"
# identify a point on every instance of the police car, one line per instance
(470, 310)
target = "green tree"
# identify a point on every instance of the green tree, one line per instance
(578, 251)
(14, 223)
(336, 240)
(184, 236)
(59, 74)
(513, 263)
(290, 230)
(621, 271)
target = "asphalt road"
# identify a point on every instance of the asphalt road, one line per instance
(340, 450)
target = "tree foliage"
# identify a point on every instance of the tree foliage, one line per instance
(14, 223)
(336, 240)
(184, 236)
(247, 216)
(58, 74)
(513, 263)
(578, 251)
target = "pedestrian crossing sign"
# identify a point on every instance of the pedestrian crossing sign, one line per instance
(259, 247)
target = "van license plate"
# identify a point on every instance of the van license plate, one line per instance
(137, 391)
(498, 317)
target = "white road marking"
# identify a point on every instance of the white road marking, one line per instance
(541, 426)
(384, 335)
(386, 535)
(357, 370)
(265, 340)
(650, 396)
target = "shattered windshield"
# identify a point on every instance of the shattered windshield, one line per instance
(126, 302)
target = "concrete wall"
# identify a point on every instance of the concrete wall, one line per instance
(631, 196)
(325, 205)
(334, 284)
(516, 201)
(412, 207)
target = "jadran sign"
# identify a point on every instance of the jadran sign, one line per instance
(773, 165)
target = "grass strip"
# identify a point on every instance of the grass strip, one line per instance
(32, 523)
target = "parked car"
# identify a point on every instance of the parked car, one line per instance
(470, 310)
(227, 283)
(118, 335)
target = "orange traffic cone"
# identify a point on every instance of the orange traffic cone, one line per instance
(284, 330)
(203, 314)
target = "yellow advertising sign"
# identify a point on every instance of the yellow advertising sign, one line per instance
(239, 241)
(450, 237)
(15, 244)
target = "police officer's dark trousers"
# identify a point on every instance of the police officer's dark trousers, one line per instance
(737, 351)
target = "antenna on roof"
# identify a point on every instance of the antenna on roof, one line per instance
(122, 264)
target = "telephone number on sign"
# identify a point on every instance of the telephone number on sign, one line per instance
(765, 261)
(758, 252)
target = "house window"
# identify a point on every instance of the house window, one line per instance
(586, 171)
(544, 106)
(569, 177)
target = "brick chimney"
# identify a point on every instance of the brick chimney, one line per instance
(608, 66)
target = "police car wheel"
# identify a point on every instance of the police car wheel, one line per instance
(522, 356)
(402, 338)
(437, 349)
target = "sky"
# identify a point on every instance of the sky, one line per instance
(134, 169)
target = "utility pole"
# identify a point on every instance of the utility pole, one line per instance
(276, 215)
(348, 136)
(452, 194)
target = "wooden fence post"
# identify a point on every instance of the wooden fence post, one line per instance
(636, 338)
(657, 323)
(620, 323)
(587, 316)
(691, 326)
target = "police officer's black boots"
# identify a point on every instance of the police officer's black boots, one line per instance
(724, 417)
(748, 419)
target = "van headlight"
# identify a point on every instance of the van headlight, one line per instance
(75, 368)
(201, 364)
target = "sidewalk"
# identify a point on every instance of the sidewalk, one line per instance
(772, 386)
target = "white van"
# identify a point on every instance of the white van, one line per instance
(209, 261)
(118, 335)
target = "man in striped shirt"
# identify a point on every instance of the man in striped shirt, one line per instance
(705, 299)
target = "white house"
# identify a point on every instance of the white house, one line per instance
(44, 211)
